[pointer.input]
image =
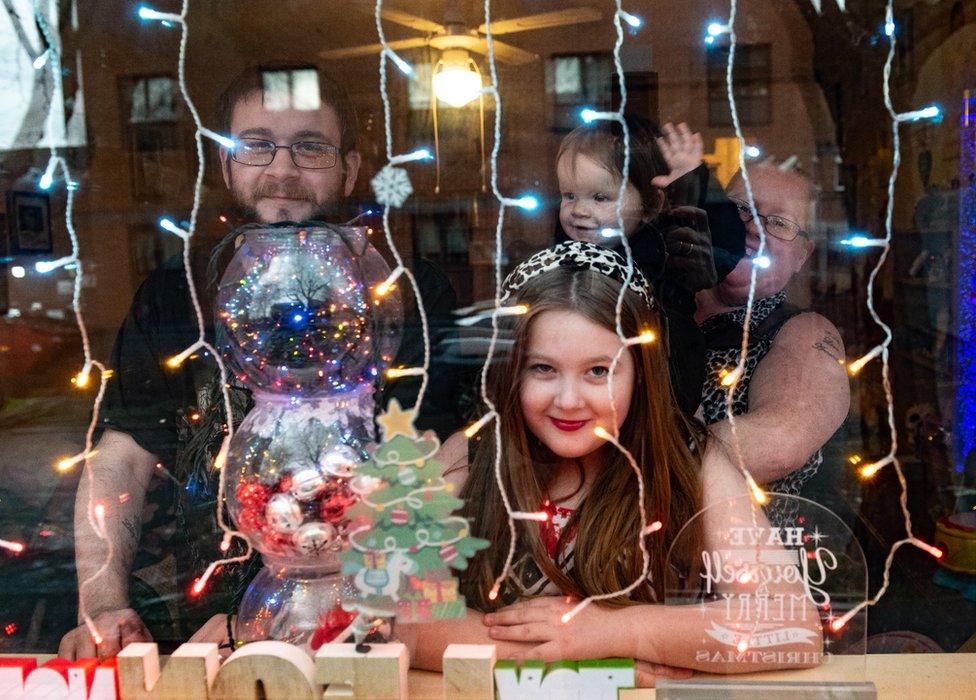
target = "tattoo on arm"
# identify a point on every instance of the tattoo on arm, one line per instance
(830, 345)
(133, 527)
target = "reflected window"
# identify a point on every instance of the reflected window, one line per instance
(751, 81)
(151, 109)
(574, 81)
(291, 88)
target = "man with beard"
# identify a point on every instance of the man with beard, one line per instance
(296, 160)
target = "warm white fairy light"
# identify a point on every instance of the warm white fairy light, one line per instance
(399, 372)
(386, 286)
(473, 429)
(178, 359)
(67, 463)
(857, 365)
(539, 516)
(473, 319)
(869, 470)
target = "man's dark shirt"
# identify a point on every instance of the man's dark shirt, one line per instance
(158, 406)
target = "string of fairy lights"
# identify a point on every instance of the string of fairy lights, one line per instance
(58, 168)
(881, 350)
(186, 235)
(643, 337)
(58, 165)
(392, 174)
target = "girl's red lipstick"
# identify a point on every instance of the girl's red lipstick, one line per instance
(568, 426)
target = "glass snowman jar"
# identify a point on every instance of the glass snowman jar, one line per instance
(299, 324)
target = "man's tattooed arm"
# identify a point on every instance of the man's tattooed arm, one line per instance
(830, 345)
(133, 527)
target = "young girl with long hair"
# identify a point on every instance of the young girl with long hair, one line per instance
(549, 387)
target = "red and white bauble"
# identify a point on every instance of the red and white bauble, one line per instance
(407, 476)
(449, 552)
(315, 539)
(399, 516)
(283, 513)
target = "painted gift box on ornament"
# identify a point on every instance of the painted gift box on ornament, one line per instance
(442, 591)
(408, 611)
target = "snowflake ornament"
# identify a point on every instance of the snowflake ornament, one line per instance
(841, 4)
(392, 186)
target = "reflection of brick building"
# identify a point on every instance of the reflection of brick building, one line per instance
(140, 162)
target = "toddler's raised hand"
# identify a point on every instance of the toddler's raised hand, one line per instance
(682, 150)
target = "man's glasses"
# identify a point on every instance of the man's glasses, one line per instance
(776, 226)
(312, 155)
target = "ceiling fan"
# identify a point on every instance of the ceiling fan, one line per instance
(456, 78)
(454, 34)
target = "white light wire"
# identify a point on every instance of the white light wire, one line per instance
(503, 202)
(891, 458)
(757, 494)
(391, 160)
(611, 433)
(57, 162)
(201, 343)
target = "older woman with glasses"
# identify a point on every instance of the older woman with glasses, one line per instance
(793, 393)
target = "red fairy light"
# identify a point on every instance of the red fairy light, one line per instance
(15, 547)
(200, 584)
(10, 628)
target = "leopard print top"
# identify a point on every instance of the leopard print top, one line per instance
(713, 393)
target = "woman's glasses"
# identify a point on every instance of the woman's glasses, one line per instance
(313, 155)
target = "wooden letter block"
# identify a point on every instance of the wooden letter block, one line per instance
(469, 672)
(265, 671)
(13, 673)
(379, 674)
(45, 684)
(188, 673)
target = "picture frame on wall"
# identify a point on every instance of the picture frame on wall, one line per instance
(29, 223)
